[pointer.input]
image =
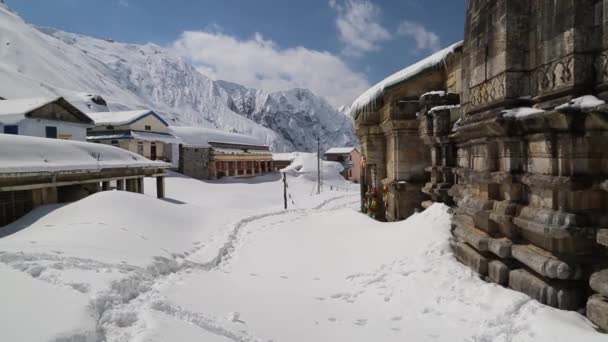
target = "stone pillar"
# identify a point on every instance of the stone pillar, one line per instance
(120, 185)
(160, 187)
(407, 159)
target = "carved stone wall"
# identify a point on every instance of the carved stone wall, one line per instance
(530, 192)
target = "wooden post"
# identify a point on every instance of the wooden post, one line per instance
(285, 190)
(160, 187)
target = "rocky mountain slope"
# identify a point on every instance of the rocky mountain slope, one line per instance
(47, 62)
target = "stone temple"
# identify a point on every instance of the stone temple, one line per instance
(510, 128)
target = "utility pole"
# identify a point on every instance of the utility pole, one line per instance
(285, 190)
(318, 166)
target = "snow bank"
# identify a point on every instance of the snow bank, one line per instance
(33, 154)
(115, 227)
(199, 136)
(306, 164)
(583, 103)
(366, 99)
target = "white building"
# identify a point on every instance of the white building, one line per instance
(141, 131)
(43, 117)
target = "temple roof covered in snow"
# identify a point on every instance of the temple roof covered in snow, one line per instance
(367, 98)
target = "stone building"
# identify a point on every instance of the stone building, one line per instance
(37, 171)
(211, 154)
(517, 146)
(395, 158)
(140, 131)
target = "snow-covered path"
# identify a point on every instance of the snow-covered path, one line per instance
(320, 275)
(222, 261)
(149, 316)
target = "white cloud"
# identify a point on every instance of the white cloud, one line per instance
(359, 26)
(425, 39)
(123, 3)
(262, 64)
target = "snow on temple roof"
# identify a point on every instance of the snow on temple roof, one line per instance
(583, 103)
(202, 137)
(121, 118)
(366, 99)
(23, 154)
(340, 150)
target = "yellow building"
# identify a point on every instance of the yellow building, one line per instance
(142, 131)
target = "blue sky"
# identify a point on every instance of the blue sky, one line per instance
(350, 43)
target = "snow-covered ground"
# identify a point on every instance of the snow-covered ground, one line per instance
(222, 261)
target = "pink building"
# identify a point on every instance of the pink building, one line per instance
(350, 158)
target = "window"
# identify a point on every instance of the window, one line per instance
(51, 132)
(110, 127)
(148, 128)
(140, 148)
(11, 129)
(114, 142)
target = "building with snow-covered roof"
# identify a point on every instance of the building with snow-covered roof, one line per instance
(350, 158)
(141, 131)
(282, 160)
(515, 121)
(386, 118)
(37, 171)
(206, 153)
(53, 118)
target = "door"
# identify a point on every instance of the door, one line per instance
(153, 151)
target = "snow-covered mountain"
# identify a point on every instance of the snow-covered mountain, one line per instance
(47, 62)
(298, 115)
